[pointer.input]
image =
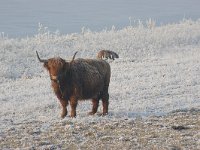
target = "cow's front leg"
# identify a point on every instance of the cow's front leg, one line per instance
(73, 104)
(95, 105)
(64, 104)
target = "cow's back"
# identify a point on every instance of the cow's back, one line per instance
(91, 75)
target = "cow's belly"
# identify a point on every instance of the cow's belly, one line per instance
(92, 91)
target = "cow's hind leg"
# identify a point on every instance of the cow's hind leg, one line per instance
(105, 101)
(95, 105)
(64, 104)
(73, 103)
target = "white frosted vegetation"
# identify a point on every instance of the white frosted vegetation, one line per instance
(158, 71)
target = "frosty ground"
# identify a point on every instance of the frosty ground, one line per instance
(157, 73)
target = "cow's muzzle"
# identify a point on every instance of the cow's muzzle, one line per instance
(54, 78)
(57, 79)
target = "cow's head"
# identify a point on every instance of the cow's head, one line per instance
(56, 67)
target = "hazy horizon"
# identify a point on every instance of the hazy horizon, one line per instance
(20, 18)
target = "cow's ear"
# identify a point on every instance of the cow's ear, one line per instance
(67, 66)
(46, 65)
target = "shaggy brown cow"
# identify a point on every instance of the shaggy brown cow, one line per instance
(105, 54)
(79, 79)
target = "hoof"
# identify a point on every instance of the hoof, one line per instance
(72, 116)
(63, 114)
(91, 113)
(102, 114)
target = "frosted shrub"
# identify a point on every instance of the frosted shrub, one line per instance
(139, 41)
(45, 34)
(150, 24)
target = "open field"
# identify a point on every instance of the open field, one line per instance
(174, 131)
(154, 90)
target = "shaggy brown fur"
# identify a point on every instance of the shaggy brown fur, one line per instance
(79, 79)
(105, 54)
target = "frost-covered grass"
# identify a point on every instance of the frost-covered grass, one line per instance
(158, 71)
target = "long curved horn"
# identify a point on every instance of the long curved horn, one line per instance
(74, 56)
(41, 60)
